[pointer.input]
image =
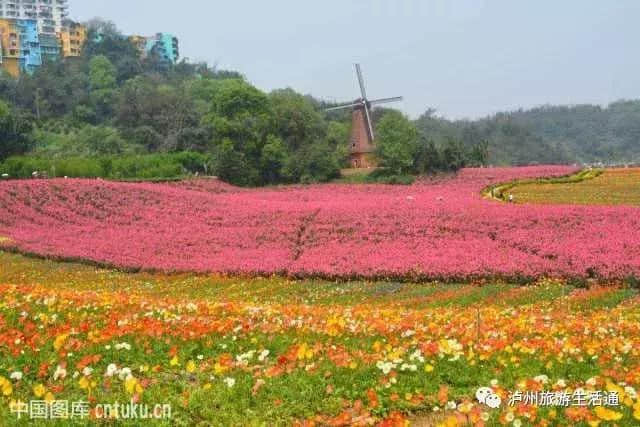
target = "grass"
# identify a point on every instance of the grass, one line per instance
(194, 341)
(613, 187)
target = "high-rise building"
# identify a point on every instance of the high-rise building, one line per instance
(19, 46)
(49, 14)
(164, 45)
(72, 37)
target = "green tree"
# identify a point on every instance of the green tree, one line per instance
(14, 132)
(272, 160)
(428, 158)
(453, 157)
(102, 85)
(396, 141)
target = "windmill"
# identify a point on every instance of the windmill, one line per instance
(362, 135)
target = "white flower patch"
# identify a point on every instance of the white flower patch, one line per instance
(385, 366)
(416, 355)
(112, 370)
(60, 373)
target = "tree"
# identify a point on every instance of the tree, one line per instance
(479, 153)
(14, 132)
(428, 157)
(272, 160)
(295, 119)
(396, 142)
(453, 157)
(102, 85)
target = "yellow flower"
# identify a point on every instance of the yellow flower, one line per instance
(5, 386)
(175, 361)
(353, 365)
(39, 390)
(616, 388)
(428, 368)
(607, 414)
(49, 397)
(85, 383)
(304, 352)
(59, 341)
(207, 386)
(636, 411)
(219, 369)
(132, 386)
(191, 366)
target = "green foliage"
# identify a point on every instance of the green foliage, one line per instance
(102, 85)
(147, 166)
(550, 134)
(396, 142)
(14, 131)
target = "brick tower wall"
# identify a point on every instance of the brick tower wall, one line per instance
(361, 148)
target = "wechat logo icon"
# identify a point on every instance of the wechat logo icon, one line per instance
(488, 397)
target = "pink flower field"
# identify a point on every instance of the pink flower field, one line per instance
(433, 229)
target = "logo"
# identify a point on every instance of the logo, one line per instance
(488, 397)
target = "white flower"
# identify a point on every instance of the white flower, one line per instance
(408, 367)
(631, 392)
(451, 405)
(416, 355)
(385, 367)
(517, 422)
(60, 373)
(87, 371)
(112, 369)
(200, 357)
(17, 375)
(107, 347)
(561, 383)
(76, 374)
(408, 333)
(123, 345)
(263, 355)
(543, 379)
(125, 374)
(493, 382)
(592, 381)
(230, 382)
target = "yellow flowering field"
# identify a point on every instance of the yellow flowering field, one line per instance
(272, 351)
(612, 187)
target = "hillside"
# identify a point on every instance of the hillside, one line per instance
(549, 134)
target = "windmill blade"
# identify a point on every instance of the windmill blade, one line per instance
(342, 107)
(361, 81)
(369, 125)
(386, 100)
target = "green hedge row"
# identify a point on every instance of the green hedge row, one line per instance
(147, 166)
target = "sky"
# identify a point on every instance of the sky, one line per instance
(464, 58)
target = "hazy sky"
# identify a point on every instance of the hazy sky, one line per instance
(465, 58)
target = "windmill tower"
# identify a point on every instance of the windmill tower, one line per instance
(362, 144)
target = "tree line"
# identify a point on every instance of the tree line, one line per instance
(112, 107)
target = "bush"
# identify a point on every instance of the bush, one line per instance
(118, 167)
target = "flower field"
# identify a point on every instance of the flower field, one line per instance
(226, 351)
(614, 187)
(441, 229)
